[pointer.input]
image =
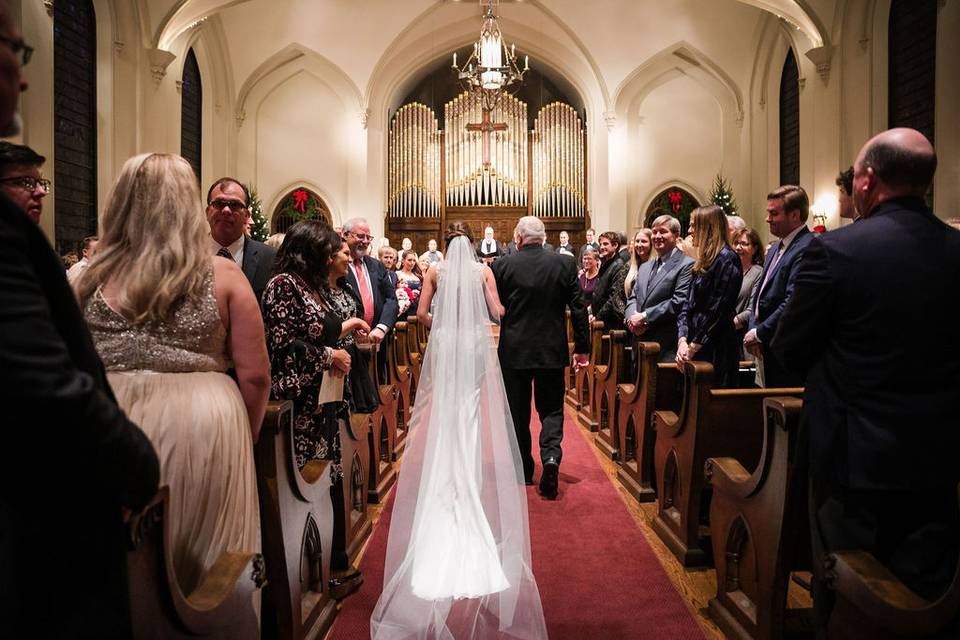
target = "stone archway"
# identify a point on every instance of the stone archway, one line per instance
(300, 203)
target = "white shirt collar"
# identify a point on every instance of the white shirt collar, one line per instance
(235, 248)
(785, 242)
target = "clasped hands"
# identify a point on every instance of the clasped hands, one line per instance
(637, 324)
(685, 352)
(580, 360)
(752, 343)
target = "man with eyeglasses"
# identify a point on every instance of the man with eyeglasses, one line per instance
(59, 413)
(21, 180)
(227, 213)
(369, 280)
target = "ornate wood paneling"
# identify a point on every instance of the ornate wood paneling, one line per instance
(75, 118)
(191, 113)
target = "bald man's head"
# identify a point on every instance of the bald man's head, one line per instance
(894, 163)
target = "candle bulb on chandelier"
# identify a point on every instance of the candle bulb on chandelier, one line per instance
(513, 50)
(454, 58)
(526, 63)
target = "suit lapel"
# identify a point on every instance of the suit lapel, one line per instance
(250, 258)
(643, 282)
(667, 266)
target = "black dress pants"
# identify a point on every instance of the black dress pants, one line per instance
(547, 390)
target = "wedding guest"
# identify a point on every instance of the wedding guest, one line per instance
(705, 322)
(406, 244)
(71, 462)
(845, 195)
(228, 203)
(302, 335)
(410, 280)
(274, 241)
(588, 277)
(423, 263)
(432, 255)
(661, 288)
(166, 328)
(69, 259)
(89, 245)
(748, 246)
(640, 248)
(388, 256)
(21, 180)
(590, 242)
(565, 247)
(610, 264)
(735, 224)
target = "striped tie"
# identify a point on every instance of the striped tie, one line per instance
(225, 253)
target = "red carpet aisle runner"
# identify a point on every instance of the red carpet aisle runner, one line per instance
(598, 578)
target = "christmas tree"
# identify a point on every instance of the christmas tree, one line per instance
(258, 230)
(722, 196)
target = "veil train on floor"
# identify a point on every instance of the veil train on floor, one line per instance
(458, 552)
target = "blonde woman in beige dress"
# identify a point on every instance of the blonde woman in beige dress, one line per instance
(167, 317)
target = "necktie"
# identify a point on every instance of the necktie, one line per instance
(365, 295)
(766, 278)
(225, 253)
(653, 274)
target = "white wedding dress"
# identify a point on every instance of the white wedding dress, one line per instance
(458, 554)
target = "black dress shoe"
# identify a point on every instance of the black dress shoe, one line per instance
(549, 478)
(342, 586)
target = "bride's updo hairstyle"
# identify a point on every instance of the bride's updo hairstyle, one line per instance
(458, 228)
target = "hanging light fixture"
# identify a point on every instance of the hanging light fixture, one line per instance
(492, 67)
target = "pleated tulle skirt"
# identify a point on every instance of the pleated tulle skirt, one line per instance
(199, 427)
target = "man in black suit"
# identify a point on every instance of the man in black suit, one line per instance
(70, 462)
(388, 257)
(611, 262)
(227, 210)
(489, 248)
(536, 287)
(369, 279)
(787, 211)
(882, 397)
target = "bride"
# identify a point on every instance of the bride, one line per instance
(458, 553)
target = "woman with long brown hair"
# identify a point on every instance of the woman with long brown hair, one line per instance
(166, 317)
(705, 322)
(410, 280)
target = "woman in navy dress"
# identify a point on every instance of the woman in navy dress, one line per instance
(705, 322)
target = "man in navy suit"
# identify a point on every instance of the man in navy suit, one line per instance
(787, 211)
(228, 204)
(370, 281)
(869, 324)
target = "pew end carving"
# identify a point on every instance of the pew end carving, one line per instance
(382, 436)
(759, 532)
(401, 377)
(873, 603)
(296, 519)
(606, 410)
(588, 374)
(711, 423)
(222, 605)
(656, 386)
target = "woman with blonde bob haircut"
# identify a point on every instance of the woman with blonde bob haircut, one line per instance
(705, 322)
(167, 317)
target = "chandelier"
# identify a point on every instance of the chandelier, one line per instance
(492, 67)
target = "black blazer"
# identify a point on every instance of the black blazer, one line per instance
(385, 307)
(69, 457)
(536, 287)
(258, 264)
(660, 297)
(770, 302)
(871, 323)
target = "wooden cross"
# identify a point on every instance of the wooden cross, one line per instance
(485, 127)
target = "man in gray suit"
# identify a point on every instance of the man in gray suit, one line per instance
(227, 210)
(660, 289)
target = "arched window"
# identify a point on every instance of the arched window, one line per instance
(75, 121)
(675, 201)
(790, 121)
(912, 60)
(299, 204)
(191, 113)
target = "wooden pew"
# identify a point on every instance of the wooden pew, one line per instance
(586, 375)
(657, 385)
(872, 603)
(381, 436)
(414, 355)
(569, 375)
(357, 463)
(222, 605)
(401, 377)
(606, 407)
(711, 423)
(759, 531)
(296, 520)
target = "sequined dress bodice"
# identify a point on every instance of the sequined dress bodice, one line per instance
(193, 340)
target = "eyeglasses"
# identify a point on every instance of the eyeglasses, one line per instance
(235, 205)
(28, 183)
(19, 47)
(362, 237)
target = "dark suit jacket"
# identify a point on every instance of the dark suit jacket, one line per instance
(770, 302)
(536, 287)
(385, 308)
(497, 250)
(869, 323)
(258, 264)
(69, 457)
(393, 277)
(601, 306)
(661, 300)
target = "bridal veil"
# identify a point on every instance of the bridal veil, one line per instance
(458, 554)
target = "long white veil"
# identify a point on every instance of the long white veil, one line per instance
(458, 553)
